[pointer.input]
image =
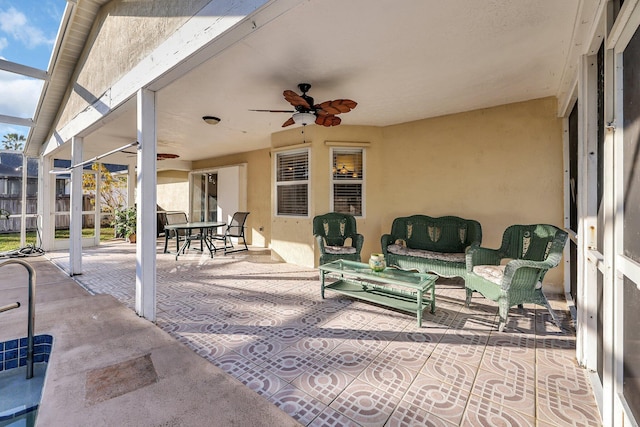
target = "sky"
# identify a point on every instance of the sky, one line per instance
(28, 30)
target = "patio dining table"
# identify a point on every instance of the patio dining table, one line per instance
(205, 227)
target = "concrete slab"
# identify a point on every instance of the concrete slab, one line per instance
(95, 332)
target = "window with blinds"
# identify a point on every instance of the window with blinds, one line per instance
(347, 180)
(292, 183)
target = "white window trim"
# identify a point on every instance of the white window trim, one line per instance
(332, 181)
(274, 173)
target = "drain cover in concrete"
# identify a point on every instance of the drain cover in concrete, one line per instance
(115, 380)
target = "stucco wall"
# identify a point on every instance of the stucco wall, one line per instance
(123, 33)
(173, 190)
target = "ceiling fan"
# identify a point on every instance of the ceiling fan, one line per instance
(306, 112)
(159, 156)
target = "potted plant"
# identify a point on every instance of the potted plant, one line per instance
(124, 223)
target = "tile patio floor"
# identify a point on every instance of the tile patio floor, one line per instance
(341, 362)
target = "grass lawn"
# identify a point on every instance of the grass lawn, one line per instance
(11, 241)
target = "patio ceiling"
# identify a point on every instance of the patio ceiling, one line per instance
(401, 61)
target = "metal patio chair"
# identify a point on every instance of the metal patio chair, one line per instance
(179, 235)
(235, 229)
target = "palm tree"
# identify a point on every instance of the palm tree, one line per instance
(13, 141)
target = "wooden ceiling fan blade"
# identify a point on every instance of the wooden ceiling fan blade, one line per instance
(288, 122)
(275, 111)
(295, 99)
(328, 120)
(337, 106)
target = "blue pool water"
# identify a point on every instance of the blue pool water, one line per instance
(19, 397)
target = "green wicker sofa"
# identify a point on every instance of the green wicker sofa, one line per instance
(431, 245)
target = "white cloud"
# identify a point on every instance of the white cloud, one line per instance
(19, 95)
(3, 43)
(14, 23)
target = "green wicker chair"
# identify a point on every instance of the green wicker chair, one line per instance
(331, 230)
(526, 254)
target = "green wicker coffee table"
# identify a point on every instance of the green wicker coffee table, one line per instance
(403, 290)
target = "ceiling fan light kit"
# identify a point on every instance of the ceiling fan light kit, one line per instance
(304, 118)
(211, 120)
(306, 112)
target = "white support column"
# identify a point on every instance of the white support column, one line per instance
(588, 260)
(46, 202)
(146, 206)
(131, 184)
(97, 223)
(23, 212)
(75, 211)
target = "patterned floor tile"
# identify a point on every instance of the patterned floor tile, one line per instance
(349, 358)
(567, 410)
(458, 375)
(287, 334)
(315, 347)
(407, 352)
(262, 381)
(389, 376)
(265, 323)
(298, 404)
(556, 352)
(508, 389)
(486, 413)
(456, 350)
(332, 418)
(437, 398)
(204, 345)
(408, 415)
(365, 405)
(503, 362)
(571, 380)
(476, 322)
(368, 342)
(234, 364)
(289, 364)
(511, 346)
(390, 321)
(323, 382)
(261, 350)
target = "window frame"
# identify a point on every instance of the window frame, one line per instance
(361, 181)
(277, 184)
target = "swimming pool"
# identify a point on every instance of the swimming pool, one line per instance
(21, 397)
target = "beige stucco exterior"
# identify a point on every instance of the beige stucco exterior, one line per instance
(173, 191)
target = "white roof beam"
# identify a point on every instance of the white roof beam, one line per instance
(17, 121)
(24, 70)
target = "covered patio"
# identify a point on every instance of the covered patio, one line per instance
(340, 362)
(497, 111)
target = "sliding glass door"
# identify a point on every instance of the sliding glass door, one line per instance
(204, 197)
